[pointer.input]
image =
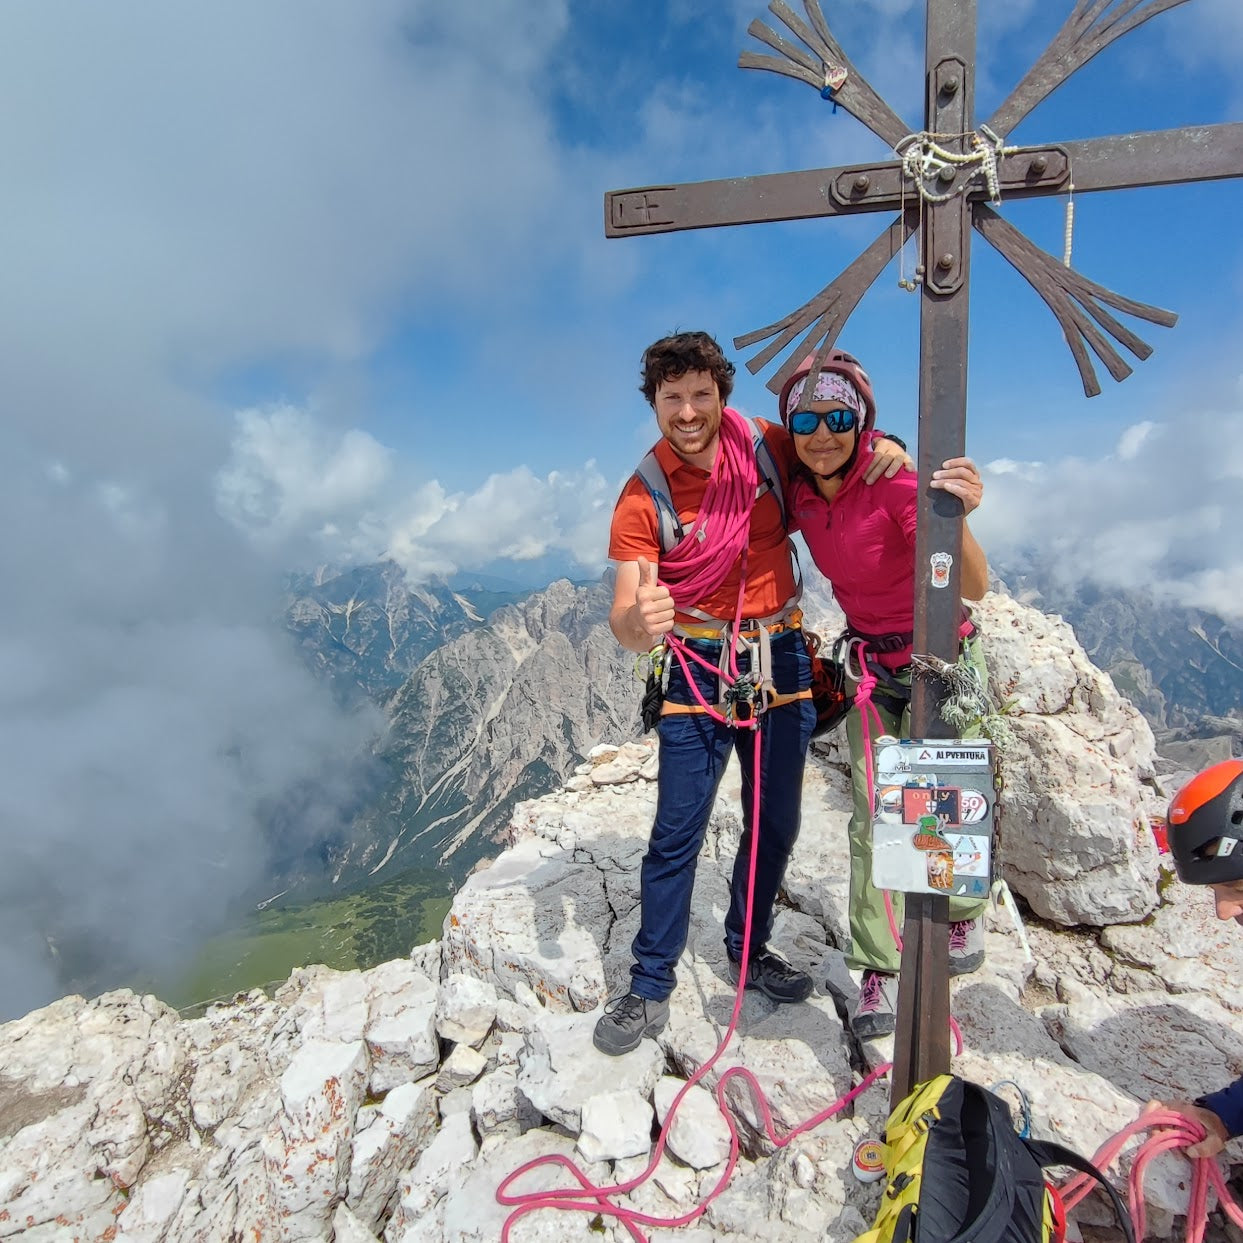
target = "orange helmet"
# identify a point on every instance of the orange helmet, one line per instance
(844, 365)
(1206, 826)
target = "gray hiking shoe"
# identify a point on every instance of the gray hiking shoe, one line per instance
(966, 946)
(626, 1021)
(876, 1012)
(774, 977)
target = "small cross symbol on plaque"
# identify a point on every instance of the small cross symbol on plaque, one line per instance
(945, 181)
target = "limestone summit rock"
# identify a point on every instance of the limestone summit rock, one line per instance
(393, 1103)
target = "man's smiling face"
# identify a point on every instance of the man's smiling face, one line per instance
(688, 412)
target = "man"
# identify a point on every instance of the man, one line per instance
(732, 566)
(1205, 828)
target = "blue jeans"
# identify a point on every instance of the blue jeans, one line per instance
(694, 750)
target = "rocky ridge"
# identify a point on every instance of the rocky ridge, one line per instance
(1181, 666)
(366, 628)
(391, 1103)
(488, 719)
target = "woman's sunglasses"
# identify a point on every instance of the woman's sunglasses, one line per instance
(804, 422)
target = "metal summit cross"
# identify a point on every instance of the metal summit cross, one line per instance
(941, 185)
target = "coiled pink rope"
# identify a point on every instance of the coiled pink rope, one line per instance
(1171, 1131)
(718, 538)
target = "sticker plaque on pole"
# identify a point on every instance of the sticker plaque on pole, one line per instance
(932, 819)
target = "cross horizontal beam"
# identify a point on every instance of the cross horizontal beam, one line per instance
(1162, 157)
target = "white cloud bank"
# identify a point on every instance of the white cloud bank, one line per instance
(1162, 514)
(300, 492)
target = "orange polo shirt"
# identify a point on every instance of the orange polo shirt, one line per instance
(770, 578)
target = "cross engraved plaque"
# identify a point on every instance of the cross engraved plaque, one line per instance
(945, 181)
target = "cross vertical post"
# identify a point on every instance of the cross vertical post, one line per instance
(921, 1043)
(942, 200)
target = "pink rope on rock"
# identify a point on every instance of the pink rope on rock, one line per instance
(589, 1198)
(1172, 1131)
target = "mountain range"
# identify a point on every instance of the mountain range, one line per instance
(493, 694)
(1181, 667)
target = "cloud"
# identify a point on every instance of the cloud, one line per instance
(300, 492)
(1160, 514)
(152, 724)
(198, 193)
(286, 472)
(209, 186)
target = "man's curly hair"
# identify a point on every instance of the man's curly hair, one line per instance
(674, 356)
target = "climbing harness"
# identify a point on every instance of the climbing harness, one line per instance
(695, 560)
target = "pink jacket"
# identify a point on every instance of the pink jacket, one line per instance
(864, 544)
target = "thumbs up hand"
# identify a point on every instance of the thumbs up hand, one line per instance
(653, 601)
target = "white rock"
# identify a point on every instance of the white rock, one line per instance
(307, 1152)
(47, 1170)
(425, 959)
(331, 1005)
(220, 1081)
(402, 1127)
(439, 1167)
(456, 1101)
(461, 1068)
(401, 1025)
(699, 1135)
(561, 1069)
(525, 920)
(471, 1211)
(150, 1210)
(465, 1009)
(346, 1228)
(1083, 855)
(497, 1107)
(615, 1124)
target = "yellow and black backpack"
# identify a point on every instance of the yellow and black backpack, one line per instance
(958, 1172)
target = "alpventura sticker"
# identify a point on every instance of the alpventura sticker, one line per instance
(952, 755)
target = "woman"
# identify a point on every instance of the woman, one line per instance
(862, 540)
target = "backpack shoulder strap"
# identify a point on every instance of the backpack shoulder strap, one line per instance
(669, 526)
(769, 472)
(992, 1220)
(1049, 1153)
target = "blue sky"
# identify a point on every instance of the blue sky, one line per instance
(342, 267)
(293, 282)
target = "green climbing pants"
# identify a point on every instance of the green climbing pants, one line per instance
(872, 945)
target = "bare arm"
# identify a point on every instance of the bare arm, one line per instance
(888, 457)
(642, 610)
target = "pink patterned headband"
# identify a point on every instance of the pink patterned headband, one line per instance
(829, 387)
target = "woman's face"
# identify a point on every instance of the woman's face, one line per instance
(825, 452)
